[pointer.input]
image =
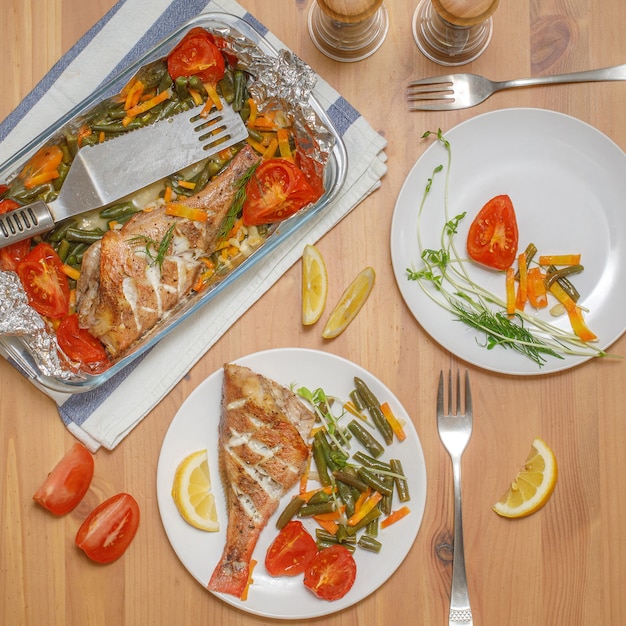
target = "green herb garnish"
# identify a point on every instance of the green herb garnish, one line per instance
(155, 251)
(237, 206)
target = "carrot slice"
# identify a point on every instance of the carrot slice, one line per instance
(395, 516)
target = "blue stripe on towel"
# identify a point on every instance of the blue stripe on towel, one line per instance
(343, 115)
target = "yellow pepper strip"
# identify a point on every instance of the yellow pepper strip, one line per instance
(284, 147)
(351, 408)
(522, 289)
(204, 276)
(537, 292)
(362, 498)
(133, 95)
(559, 259)
(72, 303)
(258, 147)
(101, 137)
(138, 109)
(182, 210)
(167, 195)
(195, 96)
(270, 151)
(393, 421)
(510, 291)
(366, 507)
(244, 595)
(70, 272)
(262, 123)
(186, 184)
(254, 111)
(211, 101)
(574, 313)
(395, 516)
(304, 477)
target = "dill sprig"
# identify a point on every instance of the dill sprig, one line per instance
(237, 206)
(452, 288)
(156, 251)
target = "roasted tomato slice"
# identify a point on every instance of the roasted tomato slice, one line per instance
(68, 482)
(291, 552)
(276, 190)
(45, 284)
(12, 254)
(331, 574)
(78, 343)
(109, 528)
(492, 238)
(196, 55)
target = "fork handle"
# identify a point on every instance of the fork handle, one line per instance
(460, 611)
(616, 72)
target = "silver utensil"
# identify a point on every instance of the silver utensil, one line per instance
(107, 171)
(455, 430)
(461, 91)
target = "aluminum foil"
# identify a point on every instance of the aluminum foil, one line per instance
(18, 319)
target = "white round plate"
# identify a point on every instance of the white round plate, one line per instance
(196, 426)
(567, 182)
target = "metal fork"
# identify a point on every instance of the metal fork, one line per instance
(461, 91)
(455, 430)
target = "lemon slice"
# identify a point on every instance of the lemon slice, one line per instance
(314, 285)
(192, 492)
(350, 303)
(533, 485)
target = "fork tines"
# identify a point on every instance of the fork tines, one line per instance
(455, 410)
(431, 94)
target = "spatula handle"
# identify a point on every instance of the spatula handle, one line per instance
(29, 220)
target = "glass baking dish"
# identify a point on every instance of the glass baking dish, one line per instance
(16, 351)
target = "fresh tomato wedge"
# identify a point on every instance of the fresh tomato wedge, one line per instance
(331, 574)
(12, 254)
(45, 284)
(276, 190)
(109, 528)
(197, 55)
(68, 482)
(492, 238)
(78, 343)
(291, 552)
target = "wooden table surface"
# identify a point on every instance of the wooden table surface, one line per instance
(565, 565)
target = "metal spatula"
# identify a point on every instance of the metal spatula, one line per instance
(105, 172)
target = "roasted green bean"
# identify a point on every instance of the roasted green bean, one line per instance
(290, 511)
(369, 543)
(401, 483)
(373, 407)
(368, 441)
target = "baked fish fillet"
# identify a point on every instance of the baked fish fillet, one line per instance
(262, 434)
(122, 291)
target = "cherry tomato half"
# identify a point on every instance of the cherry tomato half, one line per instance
(291, 552)
(109, 528)
(12, 254)
(331, 574)
(196, 55)
(78, 343)
(45, 284)
(276, 190)
(68, 482)
(492, 238)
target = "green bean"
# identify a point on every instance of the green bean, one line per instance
(529, 253)
(374, 481)
(370, 517)
(371, 462)
(83, 236)
(386, 504)
(560, 276)
(63, 249)
(227, 86)
(402, 485)
(117, 211)
(255, 135)
(240, 90)
(373, 406)
(345, 493)
(196, 83)
(369, 543)
(348, 479)
(372, 528)
(26, 195)
(355, 396)
(321, 544)
(368, 441)
(308, 510)
(181, 84)
(292, 509)
(152, 74)
(165, 83)
(59, 231)
(319, 498)
(320, 462)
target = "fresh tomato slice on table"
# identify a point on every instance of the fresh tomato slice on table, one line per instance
(276, 190)
(197, 55)
(78, 343)
(12, 254)
(45, 284)
(492, 238)
(291, 552)
(68, 482)
(331, 574)
(109, 528)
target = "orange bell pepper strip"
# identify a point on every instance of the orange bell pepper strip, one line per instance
(182, 210)
(393, 421)
(366, 507)
(559, 259)
(42, 167)
(510, 291)
(522, 289)
(394, 517)
(537, 292)
(574, 313)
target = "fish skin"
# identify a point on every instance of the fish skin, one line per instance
(262, 452)
(120, 294)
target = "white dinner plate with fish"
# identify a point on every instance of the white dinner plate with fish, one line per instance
(196, 426)
(567, 182)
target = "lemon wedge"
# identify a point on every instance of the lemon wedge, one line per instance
(191, 492)
(314, 285)
(533, 485)
(350, 303)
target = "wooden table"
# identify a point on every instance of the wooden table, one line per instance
(565, 565)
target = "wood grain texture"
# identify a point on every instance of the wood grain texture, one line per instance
(563, 566)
